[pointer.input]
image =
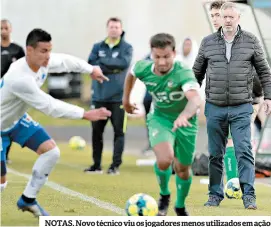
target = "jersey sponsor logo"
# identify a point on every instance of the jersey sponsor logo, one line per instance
(155, 132)
(4, 52)
(170, 84)
(43, 76)
(101, 53)
(151, 84)
(27, 121)
(168, 97)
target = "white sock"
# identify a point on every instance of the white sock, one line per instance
(41, 169)
(3, 186)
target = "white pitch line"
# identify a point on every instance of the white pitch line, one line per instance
(265, 184)
(67, 191)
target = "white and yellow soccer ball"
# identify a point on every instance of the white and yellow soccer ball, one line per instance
(77, 143)
(232, 189)
(141, 205)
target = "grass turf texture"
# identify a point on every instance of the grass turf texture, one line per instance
(112, 189)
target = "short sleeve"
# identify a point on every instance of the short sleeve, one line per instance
(188, 81)
(141, 68)
(132, 70)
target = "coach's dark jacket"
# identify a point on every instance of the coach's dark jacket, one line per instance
(230, 83)
(114, 63)
(257, 91)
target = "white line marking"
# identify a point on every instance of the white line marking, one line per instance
(67, 191)
(264, 184)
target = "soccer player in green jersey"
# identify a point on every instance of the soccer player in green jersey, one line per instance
(173, 123)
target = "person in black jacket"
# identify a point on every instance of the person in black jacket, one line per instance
(227, 57)
(114, 56)
(10, 52)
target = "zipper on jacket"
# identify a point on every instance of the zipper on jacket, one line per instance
(228, 66)
(228, 63)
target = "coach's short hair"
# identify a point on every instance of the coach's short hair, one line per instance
(229, 5)
(37, 35)
(115, 19)
(162, 40)
(216, 4)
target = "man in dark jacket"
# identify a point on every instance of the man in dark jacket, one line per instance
(114, 56)
(10, 51)
(228, 57)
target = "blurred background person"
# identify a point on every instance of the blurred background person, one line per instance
(188, 51)
(113, 55)
(10, 52)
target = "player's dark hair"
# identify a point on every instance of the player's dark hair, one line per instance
(162, 40)
(216, 4)
(115, 19)
(37, 35)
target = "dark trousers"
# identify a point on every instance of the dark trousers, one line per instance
(219, 119)
(118, 119)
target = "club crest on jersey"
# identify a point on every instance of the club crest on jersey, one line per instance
(170, 83)
(115, 54)
(155, 132)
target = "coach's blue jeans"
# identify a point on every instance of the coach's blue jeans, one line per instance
(219, 119)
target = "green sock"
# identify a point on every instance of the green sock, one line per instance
(230, 163)
(163, 177)
(183, 187)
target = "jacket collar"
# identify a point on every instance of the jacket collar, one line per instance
(237, 34)
(118, 41)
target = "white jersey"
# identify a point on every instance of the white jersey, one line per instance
(20, 89)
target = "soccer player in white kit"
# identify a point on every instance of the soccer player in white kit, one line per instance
(20, 89)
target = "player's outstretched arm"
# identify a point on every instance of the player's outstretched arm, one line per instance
(128, 86)
(191, 108)
(66, 63)
(27, 90)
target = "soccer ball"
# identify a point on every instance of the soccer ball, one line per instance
(232, 189)
(141, 205)
(77, 143)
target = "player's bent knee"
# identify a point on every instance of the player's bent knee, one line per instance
(183, 171)
(54, 154)
(46, 146)
(164, 164)
(184, 175)
(44, 165)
